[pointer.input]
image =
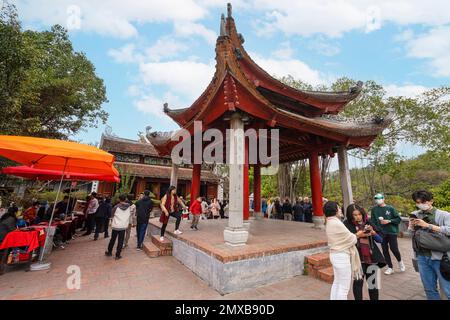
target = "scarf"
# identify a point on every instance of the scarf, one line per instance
(364, 244)
(341, 239)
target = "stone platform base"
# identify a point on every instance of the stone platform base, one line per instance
(275, 250)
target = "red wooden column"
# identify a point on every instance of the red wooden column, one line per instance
(246, 191)
(195, 186)
(257, 187)
(316, 185)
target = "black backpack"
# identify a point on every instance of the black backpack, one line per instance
(444, 267)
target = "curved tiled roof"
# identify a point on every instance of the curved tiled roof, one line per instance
(162, 172)
(121, 145)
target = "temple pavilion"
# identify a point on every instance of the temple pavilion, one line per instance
(242, 95)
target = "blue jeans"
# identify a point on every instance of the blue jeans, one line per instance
(141, 228)
(430, 274)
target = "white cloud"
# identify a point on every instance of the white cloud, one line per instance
(296, 68)
(188, 29)
(164, 48)
(125, 54)
(435, 46)
(323, 46)
(188, 78)
(114, 18)
(409, 90)
(405, 35)
(284, 51)
(333, 18)
(150, 104)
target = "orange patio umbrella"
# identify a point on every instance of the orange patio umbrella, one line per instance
(58, 155)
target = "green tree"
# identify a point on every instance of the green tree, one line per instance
(441, 196)
(46, 88)
(423, 121)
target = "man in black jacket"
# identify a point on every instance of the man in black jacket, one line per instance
(298, 211)
(143, 208)
(102, 216)
(287, 209)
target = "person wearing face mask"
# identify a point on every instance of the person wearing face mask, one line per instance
(387, 219)
(358, 223)
(436, 221)
(344, 255)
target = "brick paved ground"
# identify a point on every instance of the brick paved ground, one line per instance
(138, 277)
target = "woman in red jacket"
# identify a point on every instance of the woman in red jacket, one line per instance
(169, 207)
(196, 210)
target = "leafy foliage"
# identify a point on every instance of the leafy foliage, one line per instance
(441, 196)
(46, 88)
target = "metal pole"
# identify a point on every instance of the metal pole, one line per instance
(68, 203)
(53, 212)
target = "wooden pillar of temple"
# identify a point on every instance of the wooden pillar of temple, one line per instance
(140, 187)
(246, 191)
(257, 189)
(195, 186)
(316, 190)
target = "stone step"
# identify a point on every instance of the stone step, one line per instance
(151, 250)
(326, 274)
(319, 260)
(319, 266)
(165, 252)
(162, 245)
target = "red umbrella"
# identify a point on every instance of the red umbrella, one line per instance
(42, 174)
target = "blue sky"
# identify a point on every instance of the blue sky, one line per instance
(151, 52)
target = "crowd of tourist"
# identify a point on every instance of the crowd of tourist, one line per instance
(359, 245)
(301, 210)
(354, 252)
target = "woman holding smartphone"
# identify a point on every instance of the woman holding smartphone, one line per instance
(371, 258)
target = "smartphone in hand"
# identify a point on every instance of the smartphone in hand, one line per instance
(413, 216)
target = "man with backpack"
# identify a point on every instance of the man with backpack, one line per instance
(431, 263)
(121, 215)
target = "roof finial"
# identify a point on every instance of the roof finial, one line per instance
(229, 10)
(223, 28)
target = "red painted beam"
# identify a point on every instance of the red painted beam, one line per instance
(195, 187)
(316, 185)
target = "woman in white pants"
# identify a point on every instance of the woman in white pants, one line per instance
(343, 253)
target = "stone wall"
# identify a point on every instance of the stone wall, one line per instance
(242, 274)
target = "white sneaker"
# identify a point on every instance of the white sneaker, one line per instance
(178, 232)
(161, 238)
(389, 271)
(402, 266)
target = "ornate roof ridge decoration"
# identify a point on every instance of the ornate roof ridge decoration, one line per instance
(338, 118)
(240, 85)
(116, 138)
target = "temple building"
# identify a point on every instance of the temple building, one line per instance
(241, 95)
(151, 171)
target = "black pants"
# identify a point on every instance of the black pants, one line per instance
(390, 242)
(114, 235)
(100, 226)
(90, 222)
(176, 215)
(371, 283)
(308, 217)
(106, 226)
